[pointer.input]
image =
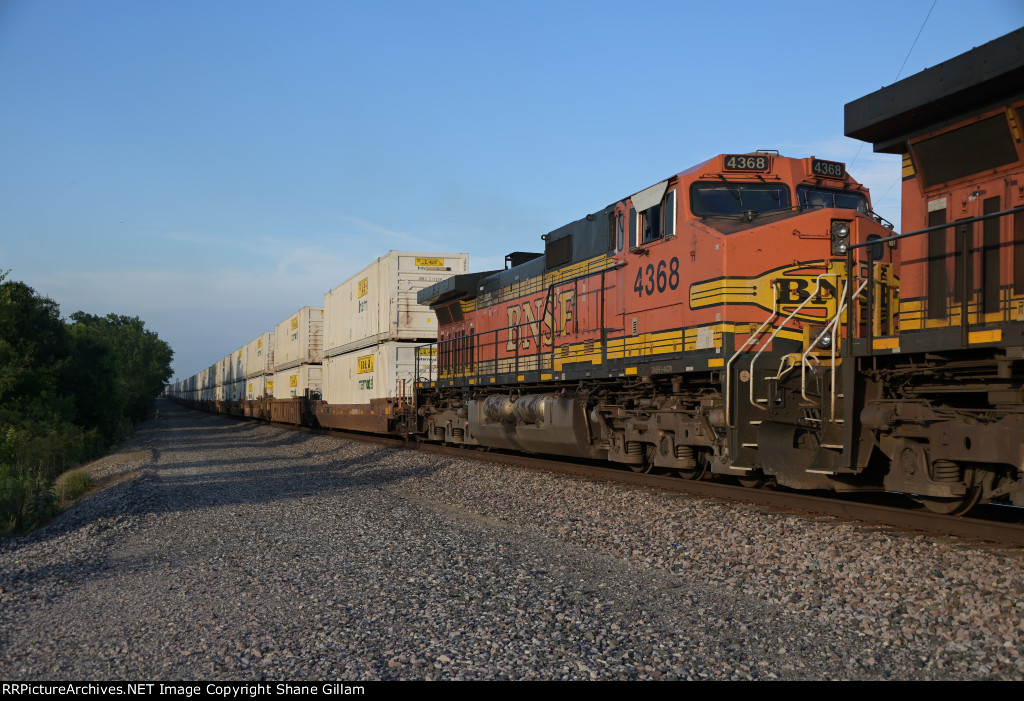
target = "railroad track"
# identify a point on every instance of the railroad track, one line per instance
(993, 524)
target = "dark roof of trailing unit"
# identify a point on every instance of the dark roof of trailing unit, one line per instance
(455, 287)
(971, 82)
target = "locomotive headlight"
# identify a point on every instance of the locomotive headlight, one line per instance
(825, 340)
(840, 236)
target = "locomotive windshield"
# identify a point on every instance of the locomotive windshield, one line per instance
(733, 199)
(821, 197)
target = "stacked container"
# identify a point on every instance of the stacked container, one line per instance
(260, 352)
(299, 338)
(298, 341)
(374, 326)
(295, 381)
(379, 303)
(259, 367)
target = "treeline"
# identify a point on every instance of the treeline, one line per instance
(69, 390)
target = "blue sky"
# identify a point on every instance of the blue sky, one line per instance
(213, 166)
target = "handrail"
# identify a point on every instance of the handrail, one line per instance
(833, 325)
(789, 318)
(871, 263)
(937, 227)
(753, 339)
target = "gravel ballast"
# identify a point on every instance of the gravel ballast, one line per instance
(234, 550)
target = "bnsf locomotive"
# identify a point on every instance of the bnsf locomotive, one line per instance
(695, 326)
(751, 317)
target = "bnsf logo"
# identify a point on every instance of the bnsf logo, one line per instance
(535, 320)
(787, 288)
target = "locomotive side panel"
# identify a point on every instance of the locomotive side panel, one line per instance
(980, 260)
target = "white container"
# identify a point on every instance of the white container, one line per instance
(260, 355)
(239, 364)
(221, 377)
(259, 387)
(299, 338)
(379, 372)
(379, 304)
(295, 381)
(237, 391)
(207, 381)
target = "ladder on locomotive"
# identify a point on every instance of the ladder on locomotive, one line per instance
(812, 367)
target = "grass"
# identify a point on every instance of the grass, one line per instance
(73, 484)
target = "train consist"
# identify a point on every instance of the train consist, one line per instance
(748, 317)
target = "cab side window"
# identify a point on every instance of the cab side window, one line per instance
(656, 222)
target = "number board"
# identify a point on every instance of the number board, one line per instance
(828, 169)
(746, 161)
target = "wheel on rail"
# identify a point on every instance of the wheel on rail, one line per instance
(649, 468)
(753, 481)
(703, 458)
(640, 457)
(954, 506)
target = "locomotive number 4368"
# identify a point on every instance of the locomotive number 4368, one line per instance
(657, 278)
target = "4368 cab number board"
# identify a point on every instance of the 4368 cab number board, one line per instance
(828, 169)
(750, 162)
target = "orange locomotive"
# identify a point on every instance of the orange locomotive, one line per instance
(692, 327)
(948, 407)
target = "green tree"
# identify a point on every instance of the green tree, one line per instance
(67, 392)
(143, 358)
(34, 349)
(94, 379)
(37, 435)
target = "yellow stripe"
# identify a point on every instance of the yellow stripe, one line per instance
(1013, 124)
(716, 363)
(631, 371)
(541, 283)
(994, 336)
(893, 342)
(908, 167)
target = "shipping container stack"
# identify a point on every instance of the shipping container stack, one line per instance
(298, 344)
(374, 330)
(259, 375)
(352, 363)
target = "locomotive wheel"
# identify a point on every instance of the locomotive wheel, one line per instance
(956, 506)
(695, 473)
(753, 482)
(647, 467)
